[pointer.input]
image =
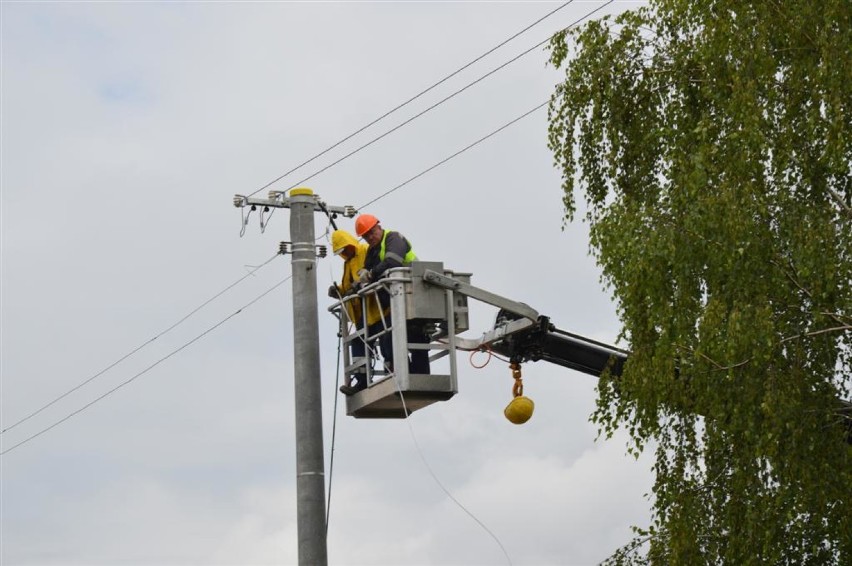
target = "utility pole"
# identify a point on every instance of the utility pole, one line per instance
(310, 466)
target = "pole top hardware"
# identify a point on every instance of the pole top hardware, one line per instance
(277, 199)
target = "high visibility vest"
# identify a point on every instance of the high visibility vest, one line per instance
(409, 255)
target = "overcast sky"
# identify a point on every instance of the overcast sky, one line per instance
(126, 130)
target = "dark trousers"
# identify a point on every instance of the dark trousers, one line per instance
(358, 347)
(419, 359)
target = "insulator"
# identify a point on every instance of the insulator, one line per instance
(322, 251)
(284, 248)
(349, 211)
(240, 201)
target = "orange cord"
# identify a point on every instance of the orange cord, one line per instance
(488, 359)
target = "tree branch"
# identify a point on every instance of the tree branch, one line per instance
(839, 199)
(844, 328)
(801, 287)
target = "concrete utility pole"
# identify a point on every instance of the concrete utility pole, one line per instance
(310, 466)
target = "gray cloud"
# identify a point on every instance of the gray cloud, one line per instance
(127, 128)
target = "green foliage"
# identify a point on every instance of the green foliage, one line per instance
(711, 143)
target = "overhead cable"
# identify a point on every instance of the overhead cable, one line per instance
(412, 99)
(149, 368)
(443, 100)
(456, 154)
(121, 359)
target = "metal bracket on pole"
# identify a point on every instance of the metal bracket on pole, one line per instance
(277, 199)
(285, 248)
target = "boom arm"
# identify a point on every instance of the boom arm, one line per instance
(522, 334)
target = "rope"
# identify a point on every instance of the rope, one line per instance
(333, 434)
(438, 481)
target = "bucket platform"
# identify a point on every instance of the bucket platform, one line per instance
(397, 394)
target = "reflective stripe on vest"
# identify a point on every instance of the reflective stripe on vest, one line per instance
(409, 256)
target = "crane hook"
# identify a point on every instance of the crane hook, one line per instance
(520, 408)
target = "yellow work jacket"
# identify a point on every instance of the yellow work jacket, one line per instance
(351, 267)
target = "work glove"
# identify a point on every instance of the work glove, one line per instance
(364, 276)
(334, 292)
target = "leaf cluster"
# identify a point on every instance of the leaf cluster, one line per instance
(710, 141)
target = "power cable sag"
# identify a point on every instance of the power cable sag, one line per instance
(410, 100)
(149, 368)
(456, 154)
(121, 359)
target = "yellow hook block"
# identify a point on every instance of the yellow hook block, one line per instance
(520, 409)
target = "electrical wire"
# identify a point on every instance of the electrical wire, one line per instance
(412, 99)
(149, 368)
(438, 481)
(109, 367)
(456, 154)
(286, 279)
(442, 101)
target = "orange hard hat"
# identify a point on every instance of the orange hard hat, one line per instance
(364, 223)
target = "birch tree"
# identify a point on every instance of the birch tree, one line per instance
(709, 141)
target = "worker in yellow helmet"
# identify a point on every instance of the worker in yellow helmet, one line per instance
(390, 249)
(354, 254)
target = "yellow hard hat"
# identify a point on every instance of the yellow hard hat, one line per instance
(340, 240)
(519, 410)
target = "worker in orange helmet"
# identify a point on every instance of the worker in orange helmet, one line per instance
(389, 249)
(354, 253)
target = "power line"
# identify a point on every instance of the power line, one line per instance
(443, 100)
(386, 193)
(456, 154)
(441, 484)
(412, 99)
(121, 359)
(149, 368)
